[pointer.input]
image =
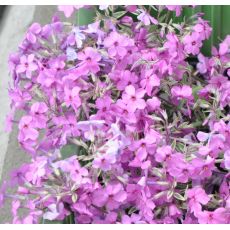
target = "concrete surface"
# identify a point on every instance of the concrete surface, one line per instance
(12, 30)
(13, 27)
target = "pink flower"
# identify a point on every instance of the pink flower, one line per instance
(112, 196)
(27, 130)
(68, 10)
(104, 162)
(26, 65)
(182, 92)
(54, 211)
(72, 97)
(33, 32)
(163, 153)
(203, 168)
(196, 197)
(89, 60)
(174, 46)
(125, 112)
(175, 8)
(192, 43)
(203, 64)
(38, 111)
(218, 216)
(36, 170)
(149, 81)
(133, 219)
(203, 28)
(133, 97)
(123, 78)
(224, 46)
(180, 169)
(153, 104)
(146, 18)
(227, 159)
(117, 44)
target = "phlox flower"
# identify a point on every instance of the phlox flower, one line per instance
(112, 196)
(175, 8)
(218, 216)
(203, 28)
(27, 65)
(182, 92)
(192, 43)
(133, 97)
(163, 153)
(117, 44)
(133, 219)
(27, 129)
(104, 162)
(150, 81)
(196, 197)
(72, 97)
(38, 111)
(89, 60)
(68, 10)
(146, 18)
(33, 32)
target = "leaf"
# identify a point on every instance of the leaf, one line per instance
(74, 198)
(159, 195)
(163, 183)
(157, 172)
(119, 14)
(170, 194)
(179, 197)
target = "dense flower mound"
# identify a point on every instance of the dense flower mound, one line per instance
(151, 128)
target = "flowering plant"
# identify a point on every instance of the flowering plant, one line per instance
(147, 128)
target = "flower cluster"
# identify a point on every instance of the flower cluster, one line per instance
(150, 131)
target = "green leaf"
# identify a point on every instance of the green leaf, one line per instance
(119, 14)
(169, 194)
(74, 198)
(179, 197)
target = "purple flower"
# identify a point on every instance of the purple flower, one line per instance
(38, 111)
(26, 65)
(133, 219)
(133, 97)
(72, 97)
(71, 54)
(68, 10)
(146, 18)
(218, 216)
(227, 159)
(149, 81)
(182, 92)
(89, 60)
(196, 197)
(27, 129)
(33, 32)
(112, 196)
(192, 43)
(203, 29)
(54, 211)
(175, 8)
(117, 44)
(163, 153)
(104, 162)
(153, 104)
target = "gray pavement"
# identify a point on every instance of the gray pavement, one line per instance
(12, 30)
